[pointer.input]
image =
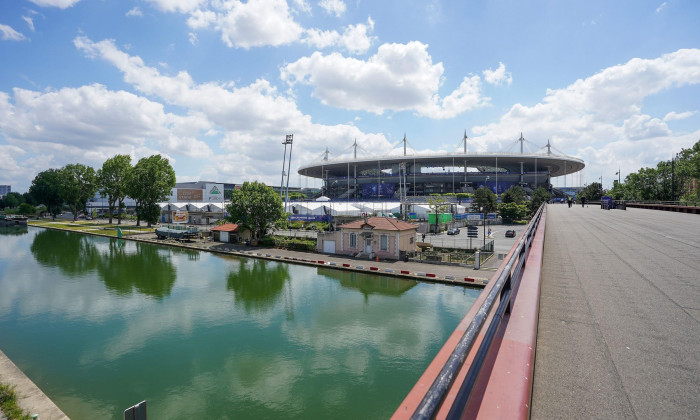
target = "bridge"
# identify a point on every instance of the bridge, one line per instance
(603, 321)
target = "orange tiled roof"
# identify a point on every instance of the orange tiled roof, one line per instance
(226, 227)
(380, 223)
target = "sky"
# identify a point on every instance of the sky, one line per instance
(216, 85)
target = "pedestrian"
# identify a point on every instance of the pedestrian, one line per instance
(423, 237)
(583, 201)
(569, 200)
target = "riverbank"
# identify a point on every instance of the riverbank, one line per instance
(29, 396)
(449, 274)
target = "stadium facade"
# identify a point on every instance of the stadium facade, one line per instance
(391, 177)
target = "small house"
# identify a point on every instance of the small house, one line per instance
(374, 237)
(230, 233)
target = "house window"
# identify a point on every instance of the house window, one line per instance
(411, 238)
(384, 243)
(353, 240)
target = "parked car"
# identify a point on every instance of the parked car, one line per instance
(510, 233)
(453, 231)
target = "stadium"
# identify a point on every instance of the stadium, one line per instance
(401, 177)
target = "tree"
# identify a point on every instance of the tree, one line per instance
(76, 185)
(512, 211)
(45, 190)
(112, 179)
(148, 183)
(12, 200)
(593, 191)
(484, 201)
(437, 205)
(27, 209)
(539, 196)
(255, 206)
(514, 194)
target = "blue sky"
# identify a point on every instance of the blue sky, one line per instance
(215, 85)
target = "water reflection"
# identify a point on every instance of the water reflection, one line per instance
(146, 270)
(120, 267)
(73, 254)
(257, 284)
(369, 285)
(13, 230)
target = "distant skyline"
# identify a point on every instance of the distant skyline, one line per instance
(215, 85)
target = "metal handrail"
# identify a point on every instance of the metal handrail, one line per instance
(503, 287)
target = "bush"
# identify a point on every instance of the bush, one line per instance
(296, 244)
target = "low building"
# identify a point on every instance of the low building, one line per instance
(374, 237)
(231, 233)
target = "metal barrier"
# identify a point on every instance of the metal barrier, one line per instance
(502, 290)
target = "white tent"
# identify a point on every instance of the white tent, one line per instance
(323, 198)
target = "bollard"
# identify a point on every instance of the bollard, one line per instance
(477, 260)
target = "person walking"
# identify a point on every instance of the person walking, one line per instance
(583, 201)
(569, 200)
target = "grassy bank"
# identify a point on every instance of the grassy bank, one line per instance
(91, 227)
(8, 404)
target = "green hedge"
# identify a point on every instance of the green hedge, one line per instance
(297, 244)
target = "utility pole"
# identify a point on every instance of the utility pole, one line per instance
(284, 193)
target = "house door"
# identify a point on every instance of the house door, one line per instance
(368, 245)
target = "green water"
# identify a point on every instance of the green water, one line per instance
(100, 324)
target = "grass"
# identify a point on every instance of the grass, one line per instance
(88, 226)
(8, 404)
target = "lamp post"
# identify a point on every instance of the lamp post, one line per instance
(481, 209)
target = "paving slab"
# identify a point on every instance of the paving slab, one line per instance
(619, 332)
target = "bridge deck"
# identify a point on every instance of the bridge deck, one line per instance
(619, 325)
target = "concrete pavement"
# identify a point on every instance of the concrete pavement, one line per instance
(619, 324)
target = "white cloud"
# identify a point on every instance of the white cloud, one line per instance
(9, 34)
(71, 121)
(333, 7)
(61, 4)
(399, 77)
(674, 116)
(302, 6)
(181, 6)
(248, 121)
(355, 38)
(29, 21)
(604, 112)
(661, 7)
(252, 24)
(498, 76)
(135, 12)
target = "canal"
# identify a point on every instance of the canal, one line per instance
(100, 324)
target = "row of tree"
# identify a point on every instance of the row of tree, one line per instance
(671, 180)
(147, 183)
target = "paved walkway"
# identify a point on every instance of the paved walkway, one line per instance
(619, 325)
(421, 271)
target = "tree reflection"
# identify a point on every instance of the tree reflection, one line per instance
(13, 230)
(72, 253)
(146, 270)
(257, 285)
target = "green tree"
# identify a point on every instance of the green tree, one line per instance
(112, 179)
(12, 200)
(484, 201)
(77, 184)
(148, 183)
(27, 209)
(512, 211)
(514, 194)
(539, 196)
(45, 190)
(592, 192)
(255, 206)
(437, 205)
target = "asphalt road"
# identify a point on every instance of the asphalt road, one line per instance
(619, 325)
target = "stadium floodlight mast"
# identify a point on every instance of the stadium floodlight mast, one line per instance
(284, 192)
